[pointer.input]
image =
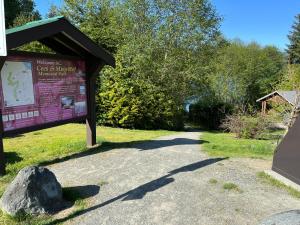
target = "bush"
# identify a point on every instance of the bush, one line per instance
(209, 114)
(129, 102)
(246, 126)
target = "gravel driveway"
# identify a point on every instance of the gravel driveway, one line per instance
(168, 181)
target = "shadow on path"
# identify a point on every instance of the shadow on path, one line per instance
(80, 192)
(141, 145)
(140, 191)
(72, 194)
(155, 144)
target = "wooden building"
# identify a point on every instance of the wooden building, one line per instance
(279, 97)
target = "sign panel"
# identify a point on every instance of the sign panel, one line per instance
(2, 30)
(36, 91)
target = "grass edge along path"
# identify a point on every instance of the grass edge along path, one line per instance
(220, 144)
(52, 145)
(45, 147)
(276, 183)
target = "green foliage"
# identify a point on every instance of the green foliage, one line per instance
(246, 126)
(101, 20)
(294, 46)
(209, 114)
(253, 127)
(20, 12)
(6, 219)
(232, 186)
(290, 78)
(162, 50)
(17, 12)
(244, 72)
(125, 101)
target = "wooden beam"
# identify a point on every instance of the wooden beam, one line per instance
(2, 156)
(93, 68)
(263, 107)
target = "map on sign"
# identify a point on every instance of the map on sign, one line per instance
(17, 83)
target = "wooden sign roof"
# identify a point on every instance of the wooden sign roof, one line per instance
(61, 36)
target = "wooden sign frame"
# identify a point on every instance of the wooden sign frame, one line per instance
(3, 50)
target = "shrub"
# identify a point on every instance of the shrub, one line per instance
(209, 114)
(130, 102)
(246, 126)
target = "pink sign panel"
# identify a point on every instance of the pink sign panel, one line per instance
(36, 91)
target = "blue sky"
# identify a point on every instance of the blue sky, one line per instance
(265, 21)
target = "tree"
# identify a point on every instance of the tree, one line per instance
(18, 12)
(245, 72)
(294, 46)
(53, 11)
(163, 49)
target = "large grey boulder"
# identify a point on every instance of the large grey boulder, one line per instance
(35, 190)
(285, 218)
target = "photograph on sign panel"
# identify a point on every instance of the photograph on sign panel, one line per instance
(82, 89)
(80, 107)
(67, 102)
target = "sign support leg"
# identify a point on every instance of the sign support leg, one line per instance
(93, 69)
(91, 110)
(2, 158)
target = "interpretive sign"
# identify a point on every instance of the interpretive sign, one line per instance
(2, 30)
(38, 91)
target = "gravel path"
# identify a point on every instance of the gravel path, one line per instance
(168, 182)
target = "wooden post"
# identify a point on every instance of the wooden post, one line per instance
(91, 112)
(2, 157)
(263, 107)
(93, 69)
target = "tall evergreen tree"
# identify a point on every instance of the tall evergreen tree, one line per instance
(294, 46)
(18, 12)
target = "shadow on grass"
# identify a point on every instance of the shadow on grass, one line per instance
(140, 191)
(12, 157)
(141, 145)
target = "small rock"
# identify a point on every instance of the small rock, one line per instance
(285, 218)
(35, 190)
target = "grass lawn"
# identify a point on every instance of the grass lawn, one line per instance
(225, 144)
(57, 144)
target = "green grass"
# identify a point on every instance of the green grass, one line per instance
(232, 186)
(58, 144)
(271, 181)
(23, 220)
(226, 145)
(213, 181)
